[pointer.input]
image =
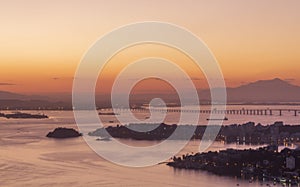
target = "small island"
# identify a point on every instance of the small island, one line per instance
(62, 133)
(265, 163)
(107, 114)
(21, 115)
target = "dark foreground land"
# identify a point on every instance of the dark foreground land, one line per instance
(248, 133)
(264, 163)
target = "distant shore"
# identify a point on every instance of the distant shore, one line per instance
(140, 105)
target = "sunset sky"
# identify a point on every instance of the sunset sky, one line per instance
(42, 42)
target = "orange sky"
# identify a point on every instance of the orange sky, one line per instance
(42, 42)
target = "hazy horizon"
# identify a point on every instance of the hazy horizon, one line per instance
(274, 91)
(145, 91)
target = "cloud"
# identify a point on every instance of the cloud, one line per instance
(6, 84)
(61, 78)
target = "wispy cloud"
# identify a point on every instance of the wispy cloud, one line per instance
(6, 84)
(61, 78)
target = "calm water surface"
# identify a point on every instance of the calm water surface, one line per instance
(27, 157)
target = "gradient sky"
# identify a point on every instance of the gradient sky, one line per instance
(42, 41)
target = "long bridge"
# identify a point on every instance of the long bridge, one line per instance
(243, 111)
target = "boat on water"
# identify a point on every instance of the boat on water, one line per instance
(105, 139)
(215, 119)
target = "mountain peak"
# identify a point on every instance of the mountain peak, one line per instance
(273, 90)
(269, 83)
(278, 80)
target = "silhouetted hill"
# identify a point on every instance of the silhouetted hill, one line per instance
(4, 95)
(9, 100)
(275, 90)
(262, 91)
(9, 95)
(15, 104)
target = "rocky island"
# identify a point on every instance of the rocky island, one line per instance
(265, 163)
(248, 133)
(62, 132)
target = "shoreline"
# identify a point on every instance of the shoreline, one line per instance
(265, 163)
(248, 133)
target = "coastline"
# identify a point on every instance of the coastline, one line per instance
(248, 133)
(265, 163)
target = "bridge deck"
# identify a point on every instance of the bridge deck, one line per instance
(279, 112)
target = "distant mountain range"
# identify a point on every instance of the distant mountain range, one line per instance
(262, 91)
(275, 90)
(4, 95)
(9, 95)
(9, 100)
